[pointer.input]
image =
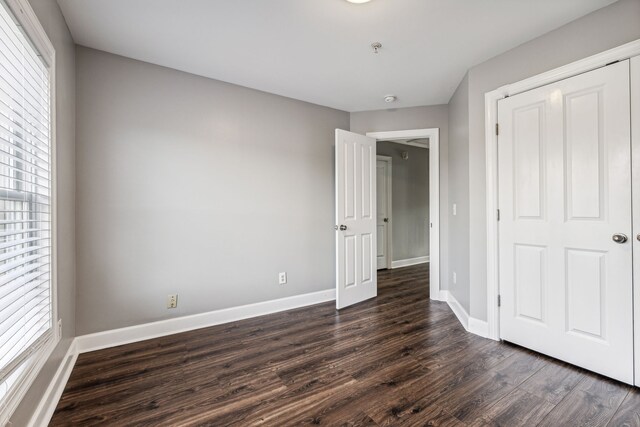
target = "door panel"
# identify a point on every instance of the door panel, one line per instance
(529, 281)
(635, 132)
(355, 218)
(564, 191)
(383, 171)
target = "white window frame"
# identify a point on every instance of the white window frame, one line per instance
(36, 34)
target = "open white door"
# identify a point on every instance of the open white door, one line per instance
(356, 278)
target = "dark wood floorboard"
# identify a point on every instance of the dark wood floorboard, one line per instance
(397, 360)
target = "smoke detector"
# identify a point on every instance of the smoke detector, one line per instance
(390, 98)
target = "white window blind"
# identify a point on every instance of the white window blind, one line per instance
(25, 203)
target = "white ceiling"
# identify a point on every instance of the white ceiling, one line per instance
(319, 50)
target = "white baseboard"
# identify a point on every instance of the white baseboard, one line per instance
(440, 296)
(457, 309)
(470, 324)
(115, 337)
(410, 261)
(47, 405)
(478, 327)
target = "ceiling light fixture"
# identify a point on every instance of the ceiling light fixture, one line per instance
(376, 46)
(390, 98)
(358, 1)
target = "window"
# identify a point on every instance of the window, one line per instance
(26, 286)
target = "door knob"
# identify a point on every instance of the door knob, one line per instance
(620, 238)
(387, 220)
(638, 237)
(341, 227)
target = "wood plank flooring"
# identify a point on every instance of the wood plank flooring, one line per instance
(399, 359)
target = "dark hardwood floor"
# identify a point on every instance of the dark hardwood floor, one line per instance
(399, 359)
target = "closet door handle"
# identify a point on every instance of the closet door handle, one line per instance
(620, 238)
(638, 237)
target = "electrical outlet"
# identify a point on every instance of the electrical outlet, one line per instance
(455, 209)
(172, 301)
(454, 277)
(282, 278)
(59, 327)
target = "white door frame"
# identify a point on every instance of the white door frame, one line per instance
(590, 63)
(389, 179)
(433, 135)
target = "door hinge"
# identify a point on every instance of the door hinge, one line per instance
(499, 301)
(498, 214)
(497, 129)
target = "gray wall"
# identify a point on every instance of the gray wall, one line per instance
(459, 193)
(436, 116)
(53, 22)
(197, 187)
(410, 200)
(603, 29)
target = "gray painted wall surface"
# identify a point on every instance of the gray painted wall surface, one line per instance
(56, 28)
(603, 29)
(436, 116)
(410, 201)
(459, 193)
(197, 187)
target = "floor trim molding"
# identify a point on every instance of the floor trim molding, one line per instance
(47, 405)
(478, 327)
(470, 324)
(410, 261)
(145, 331)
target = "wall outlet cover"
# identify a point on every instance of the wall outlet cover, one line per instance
(172, 301)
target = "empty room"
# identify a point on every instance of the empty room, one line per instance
(320, 212)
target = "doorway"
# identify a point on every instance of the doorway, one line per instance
(403, 203)
(356, 205)
(428, 140)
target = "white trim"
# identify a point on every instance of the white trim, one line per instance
(623, 52)
(470, 324)
(457, 309)
(115, 337)
(47, 405)
(37, 35)
(434, 193)
(478, 327)
(389, 179)
(410, 261)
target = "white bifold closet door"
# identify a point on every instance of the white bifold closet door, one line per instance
(565, 225)
(635, 134)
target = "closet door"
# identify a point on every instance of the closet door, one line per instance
(635, 133)
(565, 230)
